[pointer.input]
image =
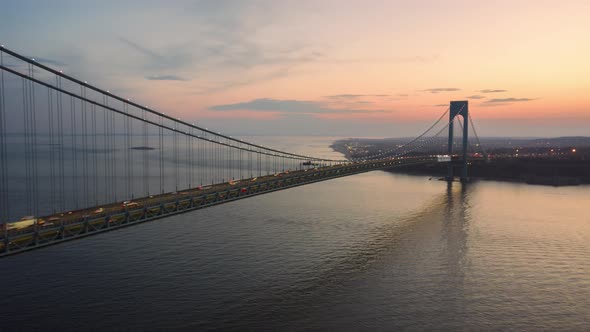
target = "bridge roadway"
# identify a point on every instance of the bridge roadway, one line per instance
(60, 227)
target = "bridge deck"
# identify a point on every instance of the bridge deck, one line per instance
(60, 227)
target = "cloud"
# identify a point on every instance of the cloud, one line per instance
(226, 56)
(174, 57)
(402, 95)
(352, 96)
(492, 91)
(440, 105)
(223, 46)
(287, 106)
(236, 83)
(438, 90)
(475, 97)
(508, 100)
(165, 78)
(143, 50)
(345, 96)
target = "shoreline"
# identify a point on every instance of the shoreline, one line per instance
(555, 172)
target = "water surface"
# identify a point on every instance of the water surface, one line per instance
(375, 251)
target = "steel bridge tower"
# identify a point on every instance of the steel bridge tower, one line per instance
(460, 108)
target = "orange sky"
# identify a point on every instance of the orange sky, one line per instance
(369, 63)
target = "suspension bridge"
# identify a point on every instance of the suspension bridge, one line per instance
(78, 160)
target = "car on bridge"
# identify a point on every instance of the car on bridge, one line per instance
(24, 222)
(129, 204)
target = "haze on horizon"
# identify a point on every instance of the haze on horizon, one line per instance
(334, 68)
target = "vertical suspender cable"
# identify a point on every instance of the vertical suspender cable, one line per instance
(127, 152)
(85, 147)
(60, 130)
(191, 154)
(51, 148)
(250, 162)
(34, 145)
(214, 165)
(175, 151)
(211, 160)
(107, 150)
(94, 156)
(161, 148)
(3, 154)
(131, 153)
(112, 152)
(114, 163)
(74, 152)
(240, 155)
(202, 159)
(188, 159)
(146, 164)
(26, 122)
(215, 161)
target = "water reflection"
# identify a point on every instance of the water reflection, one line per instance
(325, 292)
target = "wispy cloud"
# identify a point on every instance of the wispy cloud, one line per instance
(440, 105)
(508, 100)
(439, 90)
(165, 78)
(223, 47)
(353, 96)
(174, 58)
(492, 91)
(141, 49)
(287, 106)
(239, 82)
(475, 97)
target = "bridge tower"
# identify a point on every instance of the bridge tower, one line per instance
(460, 108)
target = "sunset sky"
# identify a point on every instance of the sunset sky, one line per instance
(349, 68)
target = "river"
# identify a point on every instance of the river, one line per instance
(375, 251)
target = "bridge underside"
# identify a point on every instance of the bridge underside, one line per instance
(69, 225)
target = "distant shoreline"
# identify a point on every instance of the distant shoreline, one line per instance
(555, 172)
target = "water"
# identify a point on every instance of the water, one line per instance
(110, 172)
(374, 251)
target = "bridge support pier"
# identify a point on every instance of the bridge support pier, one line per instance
(460, 108)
